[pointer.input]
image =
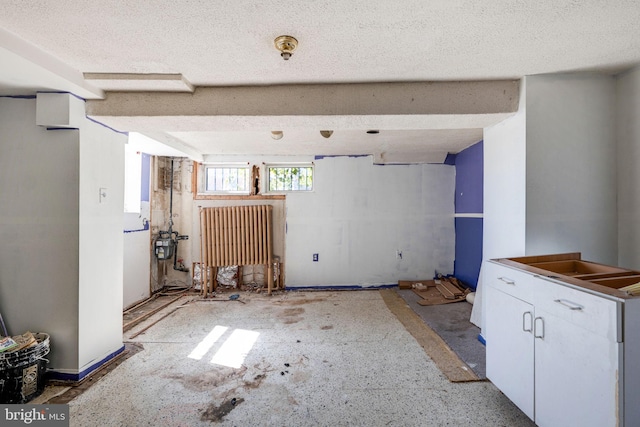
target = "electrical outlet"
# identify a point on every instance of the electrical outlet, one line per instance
(315, 257)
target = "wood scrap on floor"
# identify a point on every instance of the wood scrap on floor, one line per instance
(444, 290)
(130, 324)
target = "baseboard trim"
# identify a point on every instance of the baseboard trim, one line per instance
(74, 378)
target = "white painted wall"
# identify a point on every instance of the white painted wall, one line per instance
(571, 166)
(61, 266)
(628, 139)
(39, 228)
(136, 263)
(505, 196)
(359, 214)
(101, 242)
(550, 171)
(356, 218)
(132, 179)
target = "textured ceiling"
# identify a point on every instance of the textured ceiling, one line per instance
(222, 43)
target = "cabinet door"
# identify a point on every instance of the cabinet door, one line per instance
(576, 374)
(510, 352)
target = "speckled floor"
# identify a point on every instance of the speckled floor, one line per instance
(294, 359)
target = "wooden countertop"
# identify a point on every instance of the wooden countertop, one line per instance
(564, 267)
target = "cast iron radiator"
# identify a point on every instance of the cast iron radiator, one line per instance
(235, 235)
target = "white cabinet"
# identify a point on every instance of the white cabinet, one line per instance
(510, 357)
(554, 350)
(576, 375)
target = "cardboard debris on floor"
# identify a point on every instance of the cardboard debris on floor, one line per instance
(444, 290)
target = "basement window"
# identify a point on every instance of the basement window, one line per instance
(227, 179)
(290, 178)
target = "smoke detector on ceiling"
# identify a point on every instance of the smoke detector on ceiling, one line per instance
(286, 45)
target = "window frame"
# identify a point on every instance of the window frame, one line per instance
(267, 175)
(206, 166)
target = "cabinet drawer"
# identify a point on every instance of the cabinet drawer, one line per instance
(588, 311)
(510, 281)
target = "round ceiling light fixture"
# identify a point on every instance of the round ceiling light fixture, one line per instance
(286, 45)
(373, 131)
(326, 133)
(276, 134)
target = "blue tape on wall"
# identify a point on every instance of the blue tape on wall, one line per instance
(63, 376)
(320, 157)
(19, 96)
(106, 126)
(450, 159)
(64, 92)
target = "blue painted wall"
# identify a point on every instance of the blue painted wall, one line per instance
(469, 172)
(468, 200)
(468, 250)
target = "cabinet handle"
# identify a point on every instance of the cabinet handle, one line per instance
(535, 328)
(507, 280)
(569, 304)
(524, 315)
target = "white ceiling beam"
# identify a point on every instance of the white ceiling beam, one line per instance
(425, 105)
(172, 82)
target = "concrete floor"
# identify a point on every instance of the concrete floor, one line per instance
(292, 359)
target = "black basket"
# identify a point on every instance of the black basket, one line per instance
(22, 372)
